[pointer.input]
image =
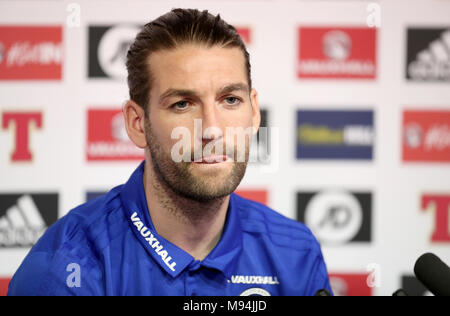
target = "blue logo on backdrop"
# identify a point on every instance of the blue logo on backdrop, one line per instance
(335, 134)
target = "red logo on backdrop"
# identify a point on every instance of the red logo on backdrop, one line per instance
(426, 136)
(30, 52)
(337, 52)
(254, 195)
(107, 138)
(245, 34)
(441, 206)
(4, 286)
(350, 284)
(22, 122)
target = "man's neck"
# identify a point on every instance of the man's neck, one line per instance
(195, 227)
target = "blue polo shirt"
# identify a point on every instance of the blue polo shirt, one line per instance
(109, 246)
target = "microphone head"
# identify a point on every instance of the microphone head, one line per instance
(400, 292)
(433, 273)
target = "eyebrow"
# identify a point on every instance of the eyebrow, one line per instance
(192, 93)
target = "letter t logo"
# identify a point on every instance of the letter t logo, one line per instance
(441, 205)
(22, 122)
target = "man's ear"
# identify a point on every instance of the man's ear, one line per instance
(135, 123)
(256, 114)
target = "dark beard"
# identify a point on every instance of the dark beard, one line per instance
(179, 178)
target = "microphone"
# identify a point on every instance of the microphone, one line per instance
(400, 292)
(433, 273)
(322, 292)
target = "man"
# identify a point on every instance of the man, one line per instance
(176, 227)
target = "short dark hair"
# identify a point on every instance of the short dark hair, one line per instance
(177, 27)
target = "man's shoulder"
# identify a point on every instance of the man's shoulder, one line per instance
(257, 218)
(95, 212)
(76, 240)
(88, 222)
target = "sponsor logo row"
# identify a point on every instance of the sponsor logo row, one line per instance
(320, 134)
(37, 52)
(336, 217)
(339, 217)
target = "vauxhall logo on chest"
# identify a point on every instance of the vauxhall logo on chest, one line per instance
(153, 242)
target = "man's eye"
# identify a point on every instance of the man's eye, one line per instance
(181, 105)
(232, 101)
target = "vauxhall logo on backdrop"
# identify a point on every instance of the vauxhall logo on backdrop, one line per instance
(335, 216)
(24, 217)
(338, 53)
(335, 134)
(31, 52)
(107, 138)
(428, 54)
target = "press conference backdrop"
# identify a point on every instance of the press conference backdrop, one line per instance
(355, 95)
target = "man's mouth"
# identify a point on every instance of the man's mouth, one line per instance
(213, 159)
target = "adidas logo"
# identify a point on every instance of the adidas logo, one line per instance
(22, 225)
(433, 63)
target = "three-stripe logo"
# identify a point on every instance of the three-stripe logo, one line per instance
(25, 217)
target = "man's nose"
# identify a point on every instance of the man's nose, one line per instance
(212, 129)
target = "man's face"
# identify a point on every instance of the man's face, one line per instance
(193, 83)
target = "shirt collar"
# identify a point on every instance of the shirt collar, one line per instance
(170, 257)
